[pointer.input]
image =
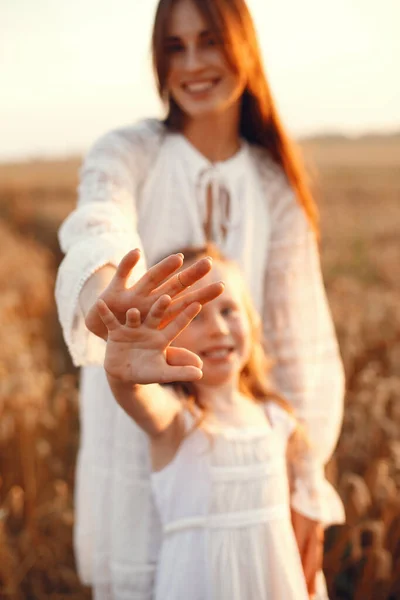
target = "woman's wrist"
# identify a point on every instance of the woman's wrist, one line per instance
(92, 289)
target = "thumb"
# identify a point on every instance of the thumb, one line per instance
(181, 356)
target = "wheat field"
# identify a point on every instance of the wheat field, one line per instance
(357, 185)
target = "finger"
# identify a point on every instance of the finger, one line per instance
(188, 373)
(133, 318)
(179, 357)
(105, 314)
(175, 327)
(201, 296)
(126, 265)
(157, 274)
(157, 312)
(179, 283)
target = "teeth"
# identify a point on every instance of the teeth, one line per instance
(217, 353)
(202, 86)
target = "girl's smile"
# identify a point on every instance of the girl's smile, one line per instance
(217, 354)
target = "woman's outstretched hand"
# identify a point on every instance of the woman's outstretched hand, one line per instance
(139, 352)
(158, 281)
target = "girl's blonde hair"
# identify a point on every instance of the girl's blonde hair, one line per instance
(259, 121)
(253, 379)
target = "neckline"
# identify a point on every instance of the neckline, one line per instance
(197, 158)
(233, 431)
(264, 425)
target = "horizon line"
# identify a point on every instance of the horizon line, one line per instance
(317, 135)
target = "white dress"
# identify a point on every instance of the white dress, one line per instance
(224, 504)
(144, 187)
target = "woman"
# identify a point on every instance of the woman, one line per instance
(219, 168)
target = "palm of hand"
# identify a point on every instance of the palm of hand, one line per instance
(137, 354)
(140, 353)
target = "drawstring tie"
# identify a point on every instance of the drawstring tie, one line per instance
(217, 210)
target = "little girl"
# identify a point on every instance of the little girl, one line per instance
(222, 446)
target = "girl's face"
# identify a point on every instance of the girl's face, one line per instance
(199, 78)
(220, 334)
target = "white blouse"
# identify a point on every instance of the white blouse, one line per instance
(144, 187)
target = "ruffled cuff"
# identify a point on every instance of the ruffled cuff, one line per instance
(78, 266)
(314, 497)
(93, 236)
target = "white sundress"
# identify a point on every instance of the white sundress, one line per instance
(224, 504)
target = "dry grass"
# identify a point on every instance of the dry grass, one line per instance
(359, 192)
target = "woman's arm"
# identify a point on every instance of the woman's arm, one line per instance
(102, 229)
(298, 329)
(98, 238)
(91, 291)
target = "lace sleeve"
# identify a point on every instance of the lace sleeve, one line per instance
(311, 494)
(298, 328)
(103, 228)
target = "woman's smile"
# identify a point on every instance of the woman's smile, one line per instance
(200, 88)
(199, 77)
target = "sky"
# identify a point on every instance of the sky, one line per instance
(70, 70)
